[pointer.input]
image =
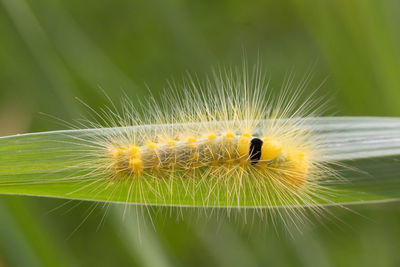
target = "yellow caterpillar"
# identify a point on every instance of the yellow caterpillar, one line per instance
(229, 143)
(222, 150)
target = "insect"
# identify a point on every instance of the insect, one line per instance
(226, 143)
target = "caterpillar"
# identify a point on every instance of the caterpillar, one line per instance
(226, 143)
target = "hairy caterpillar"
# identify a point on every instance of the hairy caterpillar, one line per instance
(229, 143)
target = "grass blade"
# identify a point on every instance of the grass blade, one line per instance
(33, 164)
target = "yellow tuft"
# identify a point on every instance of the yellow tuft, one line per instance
(151, 144)
(136, 165)
(133, 149)
(299, 168)
(191, 139)
(211, 136)
(116, 152)
(243, 146)
(270, 149)
(246, 134)
(230, 135)
(171, 142)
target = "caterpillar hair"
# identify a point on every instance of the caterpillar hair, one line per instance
(228, 143)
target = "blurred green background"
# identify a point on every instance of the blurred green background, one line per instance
(54, 51)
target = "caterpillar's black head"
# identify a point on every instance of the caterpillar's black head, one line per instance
(255, 150)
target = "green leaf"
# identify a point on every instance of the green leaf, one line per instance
(39, 164)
